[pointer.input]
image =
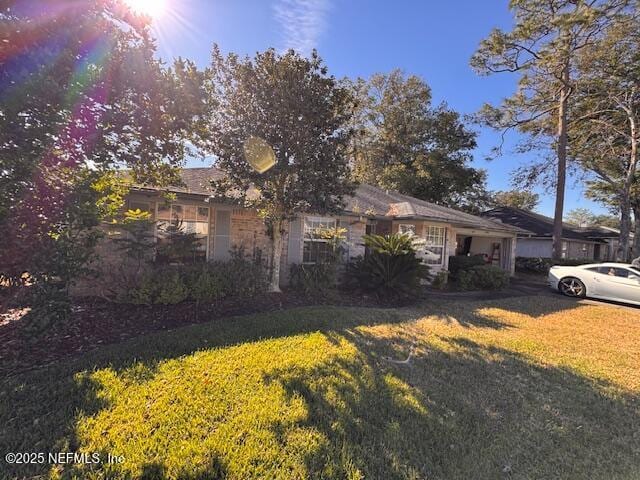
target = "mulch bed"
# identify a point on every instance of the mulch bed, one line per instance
(96, 322)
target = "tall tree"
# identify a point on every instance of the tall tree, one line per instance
(605, 140)
(402, 142)
(290, 103)
(81, 95)
(524, 199)
(542, 48)
(580, 217)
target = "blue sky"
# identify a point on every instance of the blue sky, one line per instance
(429, 38)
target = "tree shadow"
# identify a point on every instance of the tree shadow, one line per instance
(367, 388)
(542, 306)
(468, 411)
(46, 426)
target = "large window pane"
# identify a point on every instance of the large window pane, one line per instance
(316, 248)
(314, 224)
(177, 221)
(189, 212)
(435, 243)
(316, 252)
(203, 214)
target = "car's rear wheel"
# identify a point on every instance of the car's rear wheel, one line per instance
(572, 287)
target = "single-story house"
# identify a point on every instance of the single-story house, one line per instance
(535, 239)
(222, 226)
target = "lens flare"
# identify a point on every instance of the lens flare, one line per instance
(151, 8)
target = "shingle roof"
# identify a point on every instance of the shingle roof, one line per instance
(368, 201)
(539, 225)
(601, 232)
(374, 201)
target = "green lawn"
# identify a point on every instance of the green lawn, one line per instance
(534, 387)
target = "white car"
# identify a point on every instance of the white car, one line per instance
(619, 282)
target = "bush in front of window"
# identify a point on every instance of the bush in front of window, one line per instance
(482, 277)
(458, 263)
(391, 269)
(313, 280)
(239, 277)
(178, 245)
(164, 286)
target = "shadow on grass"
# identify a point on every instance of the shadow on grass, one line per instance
(380, 419)
(470, 412)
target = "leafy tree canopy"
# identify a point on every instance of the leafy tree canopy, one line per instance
(402, 142)
(81, 96)
(300, 111)
(583, 217)
(524, 199)
(543, 47)
(607, 139)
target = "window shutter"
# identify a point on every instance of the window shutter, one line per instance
(295, 241)
(222, 239)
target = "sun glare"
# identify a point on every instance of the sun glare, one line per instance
(151, 8)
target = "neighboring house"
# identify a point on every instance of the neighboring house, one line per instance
(222, 226)
(592, 243)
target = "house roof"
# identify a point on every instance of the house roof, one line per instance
(599, 231)
(368, 200)
(538, 225)
(373, 201)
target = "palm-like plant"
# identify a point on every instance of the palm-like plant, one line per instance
(391, 269)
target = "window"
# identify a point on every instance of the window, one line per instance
(614, 271)
(434, 247)
(565, 248)
(181, 219)
(584, 251)
(317, 247)
(142, 206)
(407, 228)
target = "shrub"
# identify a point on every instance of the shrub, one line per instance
(541, 265)
(178, 245)
(313, 280)
(205, 284)
(50, 304)
(318, 279)
(483, 277)
(440, 280)
(391, 269)
(164, 286)
(173, 289)
(464, 262)
(239, 277)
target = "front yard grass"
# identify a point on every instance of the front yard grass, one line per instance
(530, 387)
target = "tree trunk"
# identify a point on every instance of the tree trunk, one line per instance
(636, 231)
(635, 244)
(622, 252)
(562, 166)
(276, 255)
